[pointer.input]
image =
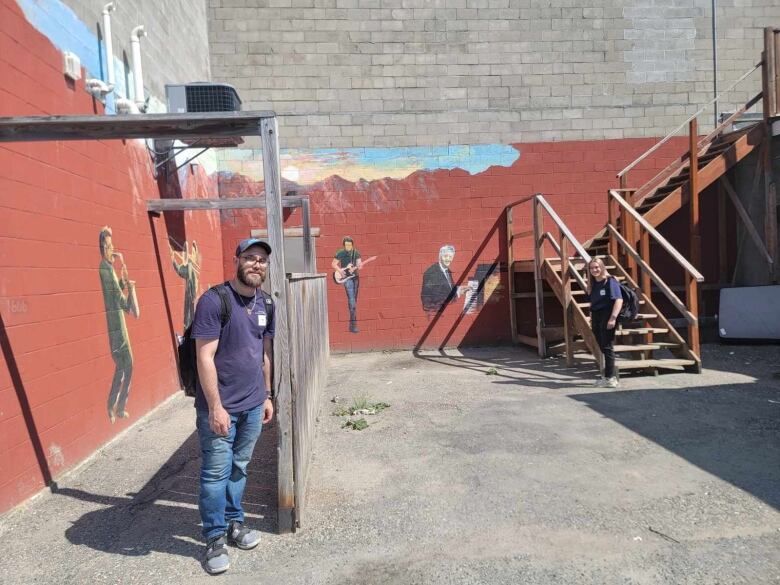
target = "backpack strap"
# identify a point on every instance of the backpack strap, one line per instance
(226, 307)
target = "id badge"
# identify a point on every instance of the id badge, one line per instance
(602, 292)
(261, 320)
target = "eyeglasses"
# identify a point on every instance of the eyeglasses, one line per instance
(252, 259)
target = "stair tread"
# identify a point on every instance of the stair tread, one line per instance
(641, 330)
(646, 346)
(627, 364)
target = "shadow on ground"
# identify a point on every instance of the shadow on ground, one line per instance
(163, 515)
(730, 431)
(725, 421)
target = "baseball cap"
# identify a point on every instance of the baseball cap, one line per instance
(252, 242)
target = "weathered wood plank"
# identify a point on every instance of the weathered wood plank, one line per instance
(271, 178)
(167, 126)
(309, 350)
(162, 205)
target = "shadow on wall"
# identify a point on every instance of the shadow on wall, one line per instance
(477, 281)
(163, 515)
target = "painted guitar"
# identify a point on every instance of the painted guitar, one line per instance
(350, 271)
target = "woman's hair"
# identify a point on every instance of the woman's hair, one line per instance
(600, 262)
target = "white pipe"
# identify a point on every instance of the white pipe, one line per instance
(108, 41)
(138, 75)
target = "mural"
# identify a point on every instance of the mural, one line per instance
(119, 298)
(186, 263)
(307, 167)
(438, 288)
(347, 263)
(483, 287)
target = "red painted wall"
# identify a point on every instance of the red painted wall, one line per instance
(56, 367)
(419, 214)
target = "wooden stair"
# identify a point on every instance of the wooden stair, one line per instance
(649, 343)
(660, 197)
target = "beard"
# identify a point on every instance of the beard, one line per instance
(251, 279)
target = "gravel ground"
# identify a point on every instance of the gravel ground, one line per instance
(525, 475)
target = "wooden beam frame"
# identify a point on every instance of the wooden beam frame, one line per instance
(746, 221)
(162, 205)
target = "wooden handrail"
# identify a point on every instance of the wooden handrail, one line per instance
(687, 266)
(662, 286)
(562, 226)
(666, 138)
(573, 271)
(521, 201)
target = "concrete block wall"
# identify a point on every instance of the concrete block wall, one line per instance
(364, 73)
(56, 359)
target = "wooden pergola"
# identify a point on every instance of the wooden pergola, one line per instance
(209, 128)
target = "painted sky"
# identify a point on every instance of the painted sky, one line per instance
(353, 164)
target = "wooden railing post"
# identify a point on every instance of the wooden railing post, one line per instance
(692, 301)
(538, 282)
(612, 247)
(629, 235)
(567, 317)
(693, 181)
(777, 70)
(769, 73)
(510, 261)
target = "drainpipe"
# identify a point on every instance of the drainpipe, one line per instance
(138, 76)
(108, 41)
(715, 59)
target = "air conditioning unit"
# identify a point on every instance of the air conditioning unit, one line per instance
(202, 97)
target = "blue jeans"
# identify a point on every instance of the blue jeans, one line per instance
(223, 468)
(351, 287)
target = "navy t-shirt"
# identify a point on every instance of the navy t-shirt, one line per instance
(603, 294)
(239, 357)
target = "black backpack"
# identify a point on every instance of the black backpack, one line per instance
(630, 308)
(188, 359)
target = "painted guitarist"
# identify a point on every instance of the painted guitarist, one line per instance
(346, 266)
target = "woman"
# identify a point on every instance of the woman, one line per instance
(605, 304)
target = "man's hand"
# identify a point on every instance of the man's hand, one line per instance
(611, 323)
(219, 421)
(268, 411)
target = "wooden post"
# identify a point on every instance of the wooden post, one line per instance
(769, 73)
(308, 256)
(538, 282)
(723, 260)
(693, 181)
(644, 251)
(692, 302)
(271, 179)
(510, 262)
(771, 227)
(612, 247)
(567, 317)
(644, 241)
(630, 236)
(777, 70)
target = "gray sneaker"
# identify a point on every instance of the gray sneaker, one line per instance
(241, 536)
(216, 559)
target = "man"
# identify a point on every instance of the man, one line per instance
(438, 288)
(347, 262)
(117, 301)
(232, 401)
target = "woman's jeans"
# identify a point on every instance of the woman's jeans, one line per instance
(223, 468)
(605, 338)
